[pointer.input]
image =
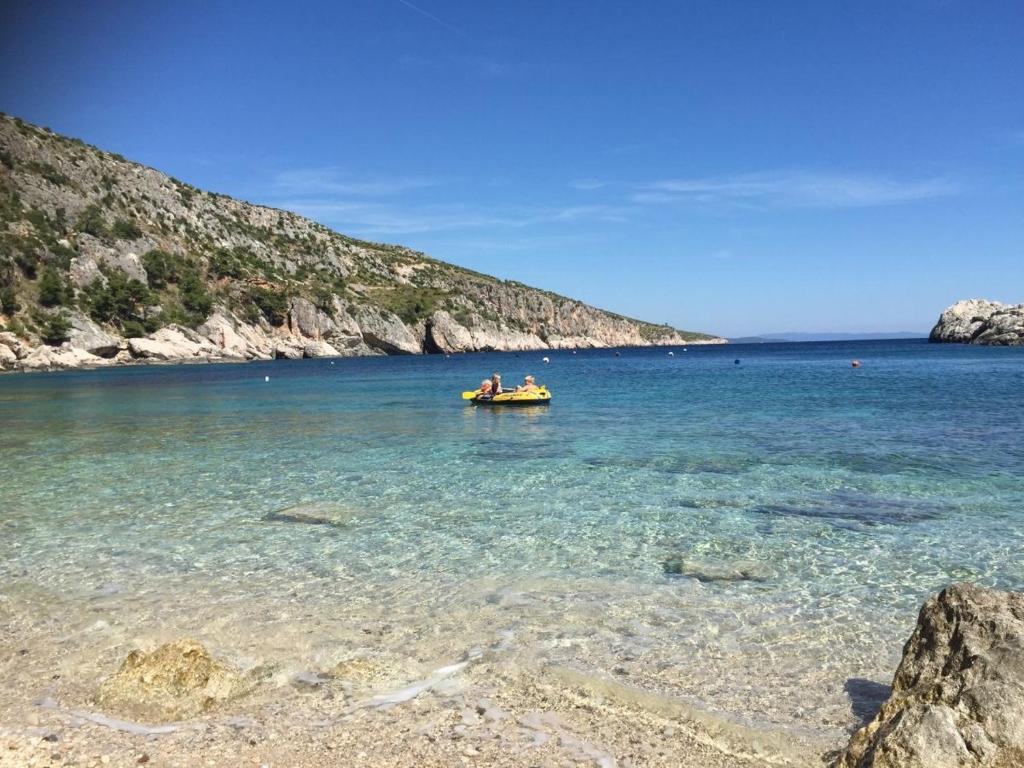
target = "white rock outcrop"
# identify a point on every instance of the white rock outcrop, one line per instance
(172, 343)
(978, 321)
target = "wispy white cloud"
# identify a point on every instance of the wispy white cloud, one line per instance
(587, 184)
(792, 189)
(379, 218)
(330, 181)
(433, 18)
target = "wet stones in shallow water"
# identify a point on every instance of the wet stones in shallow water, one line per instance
(316, 513)
(176, 681)
(710, 571)
(360, 670)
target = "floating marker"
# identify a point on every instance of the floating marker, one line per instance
(671, 353)
(545, 360)
(266, 378)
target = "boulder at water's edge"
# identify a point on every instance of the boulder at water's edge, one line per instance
(958, 695)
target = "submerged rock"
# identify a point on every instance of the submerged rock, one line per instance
(958, 695)
(177, 680)
(710, 571)
(316, 513)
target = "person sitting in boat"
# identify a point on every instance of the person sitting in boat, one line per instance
(485, 389)
(528, 385)
(496, 384)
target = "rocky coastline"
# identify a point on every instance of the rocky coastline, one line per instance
(979, 321)
(308, 333)
(107, 262)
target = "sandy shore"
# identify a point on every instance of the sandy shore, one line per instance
(494, 709)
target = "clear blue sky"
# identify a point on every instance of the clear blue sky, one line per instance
(736, 167)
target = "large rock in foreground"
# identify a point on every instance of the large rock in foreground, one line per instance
(958, 695)
(176, 681)
(977, 321)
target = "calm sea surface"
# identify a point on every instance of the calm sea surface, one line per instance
(752, 538)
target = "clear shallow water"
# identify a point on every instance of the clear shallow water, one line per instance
(134, 504)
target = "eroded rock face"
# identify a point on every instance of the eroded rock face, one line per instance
(305, 319)
(446, 335)
(90, 337)
(222, 332)
(383, 330)
(59, 359)
(319, 349)
(977, 321)
(958, 695)
(176, 681)
(8, 360)
(14, 344)
(287, 352)
(172, 343)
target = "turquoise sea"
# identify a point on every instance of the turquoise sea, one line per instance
(752, 538)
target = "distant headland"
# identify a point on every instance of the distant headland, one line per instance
(106, 261)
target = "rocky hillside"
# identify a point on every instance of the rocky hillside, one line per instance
(104, 260)
(977, 321)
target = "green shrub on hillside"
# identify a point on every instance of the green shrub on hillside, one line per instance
(52, 328)
(126, 229)
(47, 171)
(8, 298)
(225, 263)
(194, 296)
(91, 221)
(273, 305)
(121, 300)
(54, 290)
(411, 303)
(23, 252)
(161, 268)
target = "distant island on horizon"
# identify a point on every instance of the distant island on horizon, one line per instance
(800, 336)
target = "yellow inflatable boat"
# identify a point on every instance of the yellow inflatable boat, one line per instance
(539, 396)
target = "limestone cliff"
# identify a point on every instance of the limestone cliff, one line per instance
(105, 261)
(977, 321)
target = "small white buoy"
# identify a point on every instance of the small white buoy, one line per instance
(266, 378)
(671, 353)
(332, 362)
(545, 360)
(685, 349)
